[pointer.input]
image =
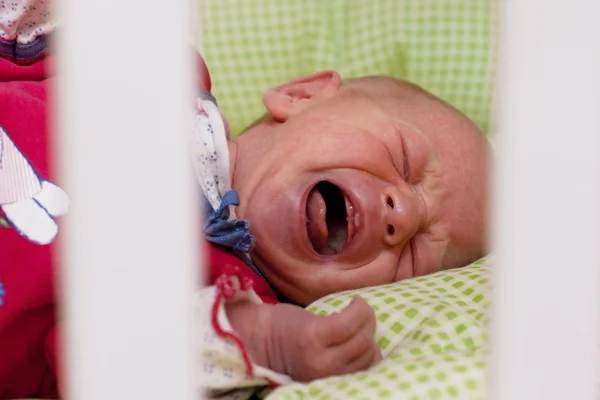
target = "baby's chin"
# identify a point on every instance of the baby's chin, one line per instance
(290, 287)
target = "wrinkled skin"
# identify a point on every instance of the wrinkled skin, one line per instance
(410, 171)
(346, 185)
(290, 340)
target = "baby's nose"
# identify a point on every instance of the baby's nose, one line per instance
(400, 216)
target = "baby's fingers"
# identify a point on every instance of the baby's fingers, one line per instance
(360, 351)
(363, 360)
(341, 327)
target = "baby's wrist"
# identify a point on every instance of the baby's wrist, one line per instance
(252, 323)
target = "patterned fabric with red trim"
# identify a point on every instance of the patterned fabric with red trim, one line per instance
(224, 363)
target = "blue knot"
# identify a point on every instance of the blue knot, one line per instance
(219, 230)
(2, 293)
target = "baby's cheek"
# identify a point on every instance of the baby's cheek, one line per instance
(434, 194)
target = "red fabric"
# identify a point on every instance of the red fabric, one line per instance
(202, 77)
(27, 315)
(34, 71)
(28, 321)
(221, 263)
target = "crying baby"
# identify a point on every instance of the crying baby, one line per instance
(343, 184)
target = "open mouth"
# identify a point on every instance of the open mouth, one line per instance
(329, 218)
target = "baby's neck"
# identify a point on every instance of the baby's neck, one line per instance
(246, 163)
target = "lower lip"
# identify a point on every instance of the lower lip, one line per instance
(354, 216)
(305, 242)
(352, 220)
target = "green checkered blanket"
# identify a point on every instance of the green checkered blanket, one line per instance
(445, 46)
(432, 331)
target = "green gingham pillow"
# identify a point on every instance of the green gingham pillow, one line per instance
(432, 332)
(445, 46)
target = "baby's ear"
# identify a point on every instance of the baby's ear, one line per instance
(288, 99)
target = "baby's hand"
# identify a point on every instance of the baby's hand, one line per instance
(307, 346)
(293, 341)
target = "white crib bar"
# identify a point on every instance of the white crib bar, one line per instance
(130, 241)
(545, 326)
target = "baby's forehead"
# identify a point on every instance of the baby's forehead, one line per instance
(400, 99)
(383, 86)
(407, 101)
(409, 104)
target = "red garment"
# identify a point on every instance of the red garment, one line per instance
(28, 323)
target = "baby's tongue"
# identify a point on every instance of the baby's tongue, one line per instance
(316, 210)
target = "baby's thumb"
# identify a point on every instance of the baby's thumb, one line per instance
(344, 325)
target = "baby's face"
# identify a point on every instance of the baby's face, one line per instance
(369, 184)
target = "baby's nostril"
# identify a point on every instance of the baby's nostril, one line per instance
(391, 230)
(390, 202)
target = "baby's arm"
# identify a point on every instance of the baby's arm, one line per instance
(290, 340)
(248, 343)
